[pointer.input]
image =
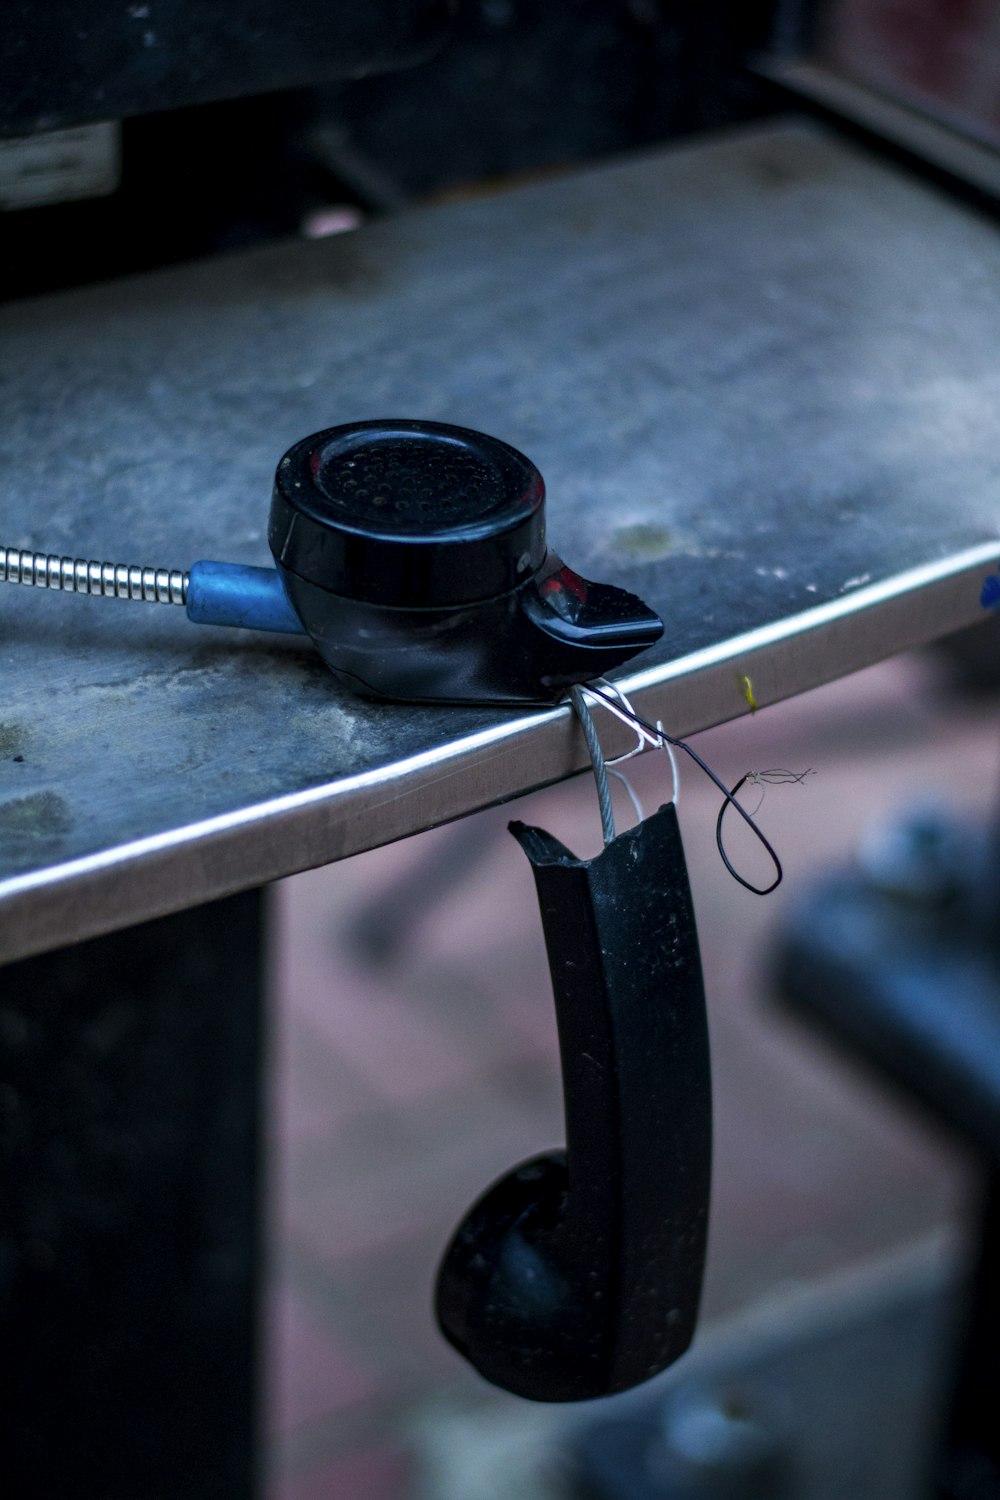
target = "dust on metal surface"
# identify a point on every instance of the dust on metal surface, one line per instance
(759, 376)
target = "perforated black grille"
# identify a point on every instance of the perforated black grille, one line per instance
(410, 484)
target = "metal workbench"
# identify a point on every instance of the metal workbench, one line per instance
(760, 376)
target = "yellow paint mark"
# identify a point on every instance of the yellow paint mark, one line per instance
(748, 694)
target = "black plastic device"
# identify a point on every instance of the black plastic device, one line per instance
(414, 553)
(579, 1273)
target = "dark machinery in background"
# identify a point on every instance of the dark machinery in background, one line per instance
(374, 105)
(224, 128)
(899, 963)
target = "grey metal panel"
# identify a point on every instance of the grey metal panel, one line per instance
(759, 374)
(69, 61)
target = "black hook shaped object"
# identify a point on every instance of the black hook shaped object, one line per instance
(414, 554)
(579, 1273)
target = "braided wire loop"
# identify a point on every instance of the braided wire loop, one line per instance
(77, 575)
(597, 761)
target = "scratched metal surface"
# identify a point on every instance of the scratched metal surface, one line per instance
(759, 374)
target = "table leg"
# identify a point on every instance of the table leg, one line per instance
(129, 1168)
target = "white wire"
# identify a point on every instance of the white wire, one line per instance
(633, 795)
(644, 740)
(674, 768)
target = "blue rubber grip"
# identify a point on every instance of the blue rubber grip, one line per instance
(231, 594)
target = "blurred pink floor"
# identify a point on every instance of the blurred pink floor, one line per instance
(401, 1087)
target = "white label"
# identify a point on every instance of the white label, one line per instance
(60, 165)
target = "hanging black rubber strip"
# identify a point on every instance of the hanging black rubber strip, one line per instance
(579, 1274)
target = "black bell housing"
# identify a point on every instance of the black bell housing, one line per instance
(414, 554)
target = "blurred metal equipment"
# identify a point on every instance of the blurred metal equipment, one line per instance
(832, 1394)
(305, 110)
(75, 61)
(923, 78)
(900, 963)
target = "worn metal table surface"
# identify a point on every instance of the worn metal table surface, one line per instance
(759, 374)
